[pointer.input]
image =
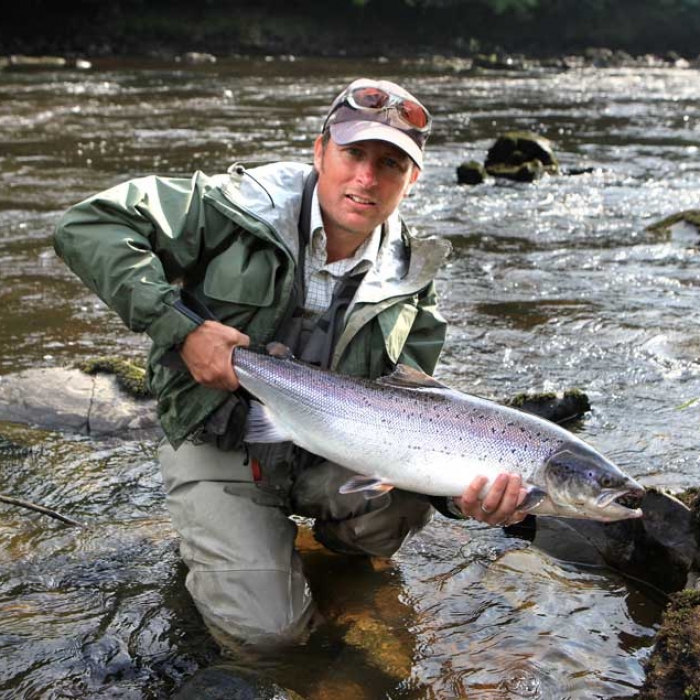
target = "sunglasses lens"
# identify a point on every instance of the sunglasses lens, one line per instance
(370, 98)
(411, 112)
(414, 114)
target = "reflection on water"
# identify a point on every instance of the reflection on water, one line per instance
(461, 612)
(551, 286)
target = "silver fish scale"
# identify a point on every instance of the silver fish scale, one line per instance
(437, 438)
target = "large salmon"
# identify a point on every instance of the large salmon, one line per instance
(409, 431)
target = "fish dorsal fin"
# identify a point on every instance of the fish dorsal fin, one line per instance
(279, 350)
(408, 377)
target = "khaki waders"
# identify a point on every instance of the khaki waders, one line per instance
(237, 540)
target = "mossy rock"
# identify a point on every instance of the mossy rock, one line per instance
(527, 172)
(521, 155)
(557, 407)
(673, 670)
(689, 216)
(130, 376)
(470, 173)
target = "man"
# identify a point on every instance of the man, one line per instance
(318, 258)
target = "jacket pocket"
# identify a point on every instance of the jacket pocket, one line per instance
(243, 274)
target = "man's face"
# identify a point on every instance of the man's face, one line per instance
(360, 185)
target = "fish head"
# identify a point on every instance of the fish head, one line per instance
(581, 483)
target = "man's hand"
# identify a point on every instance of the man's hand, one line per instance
(498, 507)
(207, 353)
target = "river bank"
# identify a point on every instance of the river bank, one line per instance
(356, 30)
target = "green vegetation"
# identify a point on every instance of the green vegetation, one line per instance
(689, 216)
(130, 376)
(351, 27)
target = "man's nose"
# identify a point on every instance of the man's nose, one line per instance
(367, 173)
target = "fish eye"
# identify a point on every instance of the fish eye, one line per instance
(606, 481)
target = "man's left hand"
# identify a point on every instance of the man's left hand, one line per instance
(499, 506)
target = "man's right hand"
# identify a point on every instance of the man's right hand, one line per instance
(207, 352)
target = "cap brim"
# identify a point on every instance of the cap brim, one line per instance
(350, 132)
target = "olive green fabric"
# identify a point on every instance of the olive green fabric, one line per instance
(232, 241)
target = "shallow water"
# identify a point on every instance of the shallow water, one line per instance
(551, 286)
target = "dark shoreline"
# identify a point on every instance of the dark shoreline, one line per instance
(356, 30)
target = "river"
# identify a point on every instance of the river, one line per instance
(551, 285)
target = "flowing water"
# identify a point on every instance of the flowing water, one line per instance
(552, 285)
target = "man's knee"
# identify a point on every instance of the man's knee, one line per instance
(379, 532)
(245, 575)
(255, 608)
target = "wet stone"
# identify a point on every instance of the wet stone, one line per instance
(225, 684)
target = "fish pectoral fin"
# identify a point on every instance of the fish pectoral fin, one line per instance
(261, 426)
(534, 497)
(370, 486)
(410, 378)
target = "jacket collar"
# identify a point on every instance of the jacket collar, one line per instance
(272, 194)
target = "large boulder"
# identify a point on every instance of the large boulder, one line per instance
(69, 399)
(521, 155)
(659, 550)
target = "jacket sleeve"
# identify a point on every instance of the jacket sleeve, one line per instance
(130, 245)
(427, 336)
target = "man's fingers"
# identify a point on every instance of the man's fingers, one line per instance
(492, 501)
(207, 354)
(499, 505)
(469, 500)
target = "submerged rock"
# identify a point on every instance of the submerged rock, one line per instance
(221, 683)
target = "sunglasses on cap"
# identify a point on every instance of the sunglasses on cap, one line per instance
(378, 104)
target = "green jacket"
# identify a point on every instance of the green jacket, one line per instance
(232, 241)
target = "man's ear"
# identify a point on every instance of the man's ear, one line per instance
(414, 176)
(318, 152)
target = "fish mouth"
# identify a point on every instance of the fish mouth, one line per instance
(621, 504)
